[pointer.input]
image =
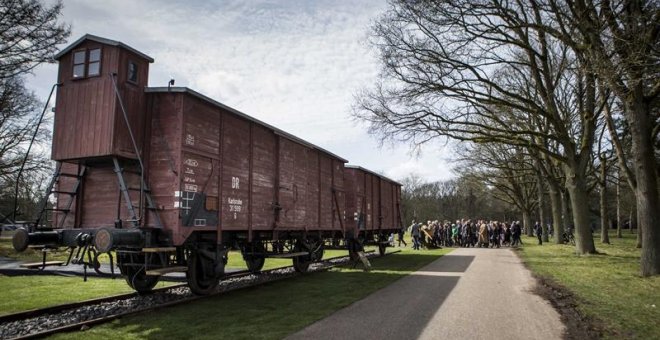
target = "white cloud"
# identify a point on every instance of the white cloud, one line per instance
(293, 64)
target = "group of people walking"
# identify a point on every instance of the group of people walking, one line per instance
(463, 233)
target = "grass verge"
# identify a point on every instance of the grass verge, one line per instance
(270, 311)
(607, 288)
(22, 293)
(29, 255)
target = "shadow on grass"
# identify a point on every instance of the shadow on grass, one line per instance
(275, 310)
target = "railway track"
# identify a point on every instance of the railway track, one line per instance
(81, 315)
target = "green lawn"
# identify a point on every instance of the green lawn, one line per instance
(30, 255)
(608, 286)
(31, 292)
(22, 293)
(270, 311)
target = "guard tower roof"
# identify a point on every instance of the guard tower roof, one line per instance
(102, 41)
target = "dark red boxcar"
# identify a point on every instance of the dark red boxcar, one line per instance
(373, 201)
(171, 179)
(219, 169)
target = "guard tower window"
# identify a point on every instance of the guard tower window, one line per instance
(79, 64)
(94, 67)
(132, 72)
(87, 60)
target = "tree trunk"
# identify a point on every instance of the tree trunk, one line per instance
(527, 222)
(577, 188)
(646, 192)
(555, 204)
(630, 220)
(618, 206)
(604, 223)
(565, 208)
(640, 231)
(542, 218)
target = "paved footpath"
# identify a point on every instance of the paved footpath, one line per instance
(468, 294)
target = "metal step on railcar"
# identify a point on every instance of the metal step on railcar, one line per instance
(156, 261)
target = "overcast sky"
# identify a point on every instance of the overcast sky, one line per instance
(293, 64)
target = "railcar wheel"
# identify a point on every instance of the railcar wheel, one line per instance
(301, 263)
(317, 253)
(255, 262)
(141, 282)
(201, 278)
(136, 276)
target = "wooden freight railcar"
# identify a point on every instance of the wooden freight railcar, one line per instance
(171, 179)
(373, 201)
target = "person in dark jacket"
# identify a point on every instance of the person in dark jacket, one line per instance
(495, 233)
(515, 233)
(507, 235)
(538, 229)
(415, 231)
(401, 233)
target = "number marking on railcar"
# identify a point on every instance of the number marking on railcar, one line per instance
(235, 206)
(191, 162)
(190, 139)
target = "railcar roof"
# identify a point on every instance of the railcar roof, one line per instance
(350, 166)
(180, 89)
(102, 41)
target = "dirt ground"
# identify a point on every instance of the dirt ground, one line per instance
(578, 326)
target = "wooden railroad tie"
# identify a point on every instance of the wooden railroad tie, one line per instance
(159, 250)
(33, 265)
(166, 270)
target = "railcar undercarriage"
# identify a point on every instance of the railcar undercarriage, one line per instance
(141, 259)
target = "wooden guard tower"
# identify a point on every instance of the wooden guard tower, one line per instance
(100, 128)
(89, 121)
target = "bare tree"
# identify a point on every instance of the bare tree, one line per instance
(554, 177)
(621, 42)
(18, 117)
(540, 185)
(463, 197)
(509, 171)
(482, 72)
(29, 35)
(602, 184)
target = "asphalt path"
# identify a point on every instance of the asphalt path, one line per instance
(471, 293)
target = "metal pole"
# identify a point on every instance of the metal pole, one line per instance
(27, 153)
